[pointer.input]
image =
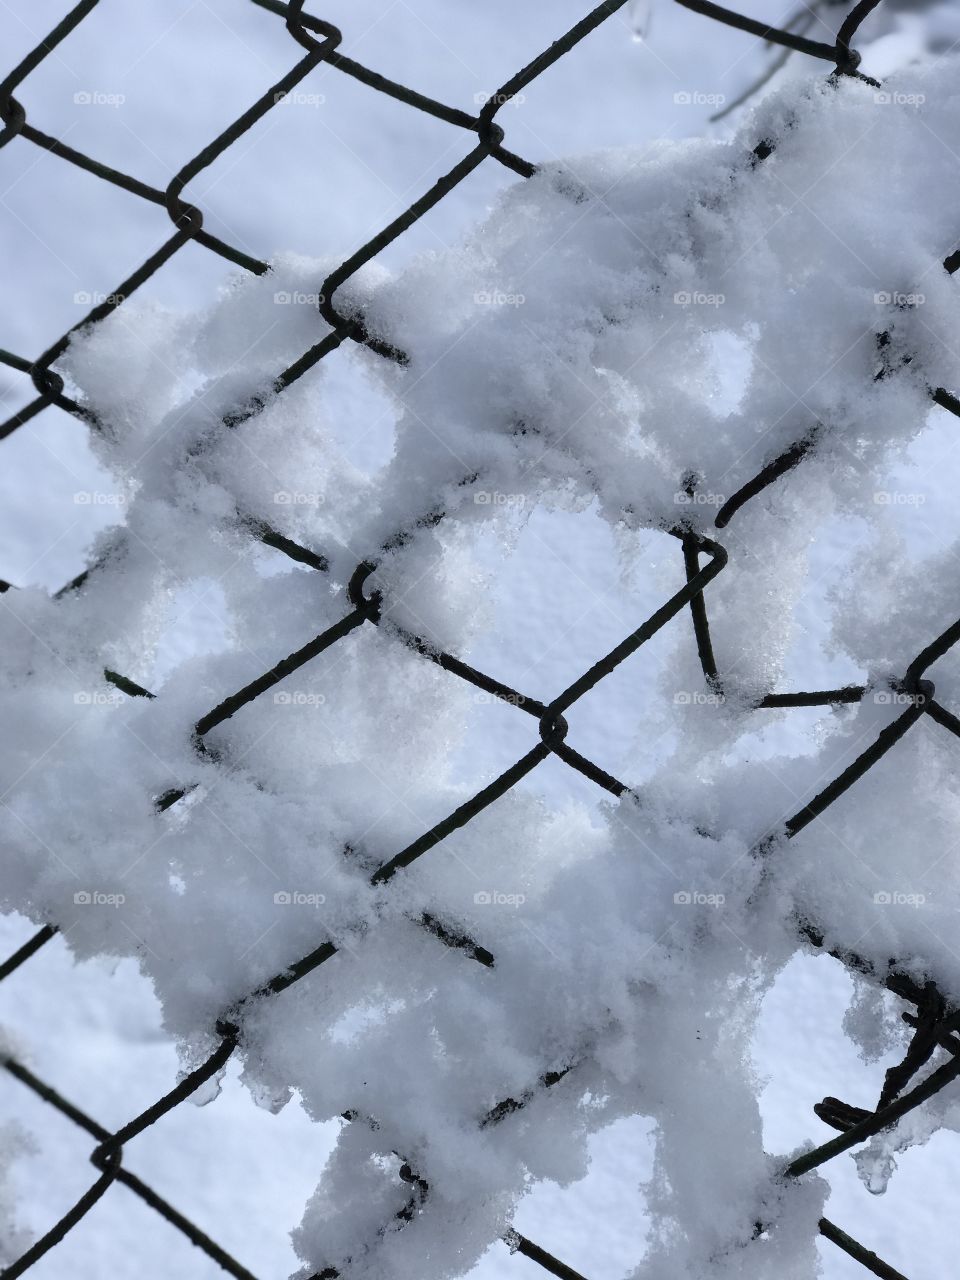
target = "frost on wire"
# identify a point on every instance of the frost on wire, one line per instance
(636, 333)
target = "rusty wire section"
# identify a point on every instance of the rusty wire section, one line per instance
(935, 1022)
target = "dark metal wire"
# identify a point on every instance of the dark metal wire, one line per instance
(934, 1021)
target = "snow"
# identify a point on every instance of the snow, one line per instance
(616, 322)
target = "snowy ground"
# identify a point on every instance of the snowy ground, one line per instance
(318, 178)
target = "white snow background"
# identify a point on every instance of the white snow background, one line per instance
(317, 178)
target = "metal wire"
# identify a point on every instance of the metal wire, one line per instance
(935, 1022)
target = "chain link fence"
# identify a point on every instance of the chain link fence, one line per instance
(935, 1022)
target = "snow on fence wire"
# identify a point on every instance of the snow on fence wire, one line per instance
(936, 1021)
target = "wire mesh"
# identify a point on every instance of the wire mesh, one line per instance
(935, 1022)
